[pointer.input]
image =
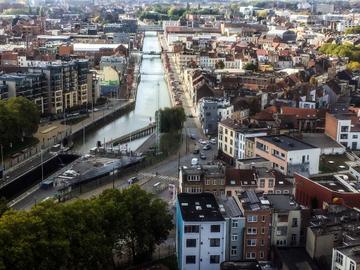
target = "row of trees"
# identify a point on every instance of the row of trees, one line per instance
(341, 50)
(86, 234)
(19, 118)
(353, 30)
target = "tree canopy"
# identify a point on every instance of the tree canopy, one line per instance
(85, 234)
(353, 30)
(172, 119)
(19, 117)
(341, 50)
(250, 66)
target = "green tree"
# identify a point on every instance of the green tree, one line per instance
(220, 64)
(353, 30)
(353, 65)
(250, 66)
(172, 119)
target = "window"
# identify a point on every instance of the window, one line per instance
(251, 242)
(233, 250)
(234, 237)
(191, 228)
(352, 266)
(343, 136)
(355, 136)
(262, 230)
(271, 183)
(235, 223)
(214, 242)
(214, 182)
(263, 218)
(339, 258)
(207, 182)
(293, 238)
(261, 254)
(190, 242)
(214, 259)
(344, 129)
(262, 242)
(252, 219)
(294, 222)
(215, 228)
(190, 259)
(262, 183)
(251, 231)
(250, 255)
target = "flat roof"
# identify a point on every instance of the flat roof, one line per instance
(286, 142)
(199, 207)
(282, 202)
(94, 47)
(320, 140)
(228, 207)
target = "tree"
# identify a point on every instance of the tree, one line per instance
(250, 66)
(353, 65)
(85, 234)
(172, 119)
(220, 64)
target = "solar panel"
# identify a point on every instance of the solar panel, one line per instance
(252, 196)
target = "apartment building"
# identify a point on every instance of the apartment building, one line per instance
(31, 86)
(200, 232)
(257, 213)
(346, 258)
(288, 154)
(211, 111)
(235, 223)
(232, 138)
(286, 220)
(202, 178)
(344, 128)
(67, 83)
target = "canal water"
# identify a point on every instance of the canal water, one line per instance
(152, 94)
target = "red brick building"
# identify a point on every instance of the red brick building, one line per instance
(332, 188)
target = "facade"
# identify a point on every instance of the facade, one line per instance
(257, 213)
(346, 258)
(200, 232)
(288, 155)
(286, 220)
(343, 128)
(202, 178)
(31, 86)
(235, 223)
(116, 62)
(67, 83)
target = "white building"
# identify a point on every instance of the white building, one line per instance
(346, 258)
(200, 232)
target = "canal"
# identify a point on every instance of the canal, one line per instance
(152, 93)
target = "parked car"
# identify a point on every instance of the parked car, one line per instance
(202, 141)
(194, 162)
(207, 147)
(192, 136)
(213, 141)
(196, 151)
(202, 156)
(132, 180)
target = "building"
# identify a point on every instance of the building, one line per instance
(235, 223)
(346, 258)
(31, 86)
(317, 191)
(202, 178)
(211, 111)
(286, 220)
(257, 213)
(116, 62)
(200, 232)
(232, 138)
(288, 154)
(344, 128)
(241, 265)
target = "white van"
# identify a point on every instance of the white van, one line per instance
(194, 162)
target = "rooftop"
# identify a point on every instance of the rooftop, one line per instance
(320, 140)
(228, 207)
(338, 182)
(352, 252)
(253, 201)
(286, 142)
(199, 207)
(282, 202)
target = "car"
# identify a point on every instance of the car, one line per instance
(202, 156)
(196, 151)
(207, 147)
(192, 136)
(203, 142)
(213, 141)
(194, 162)
(132, 180)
